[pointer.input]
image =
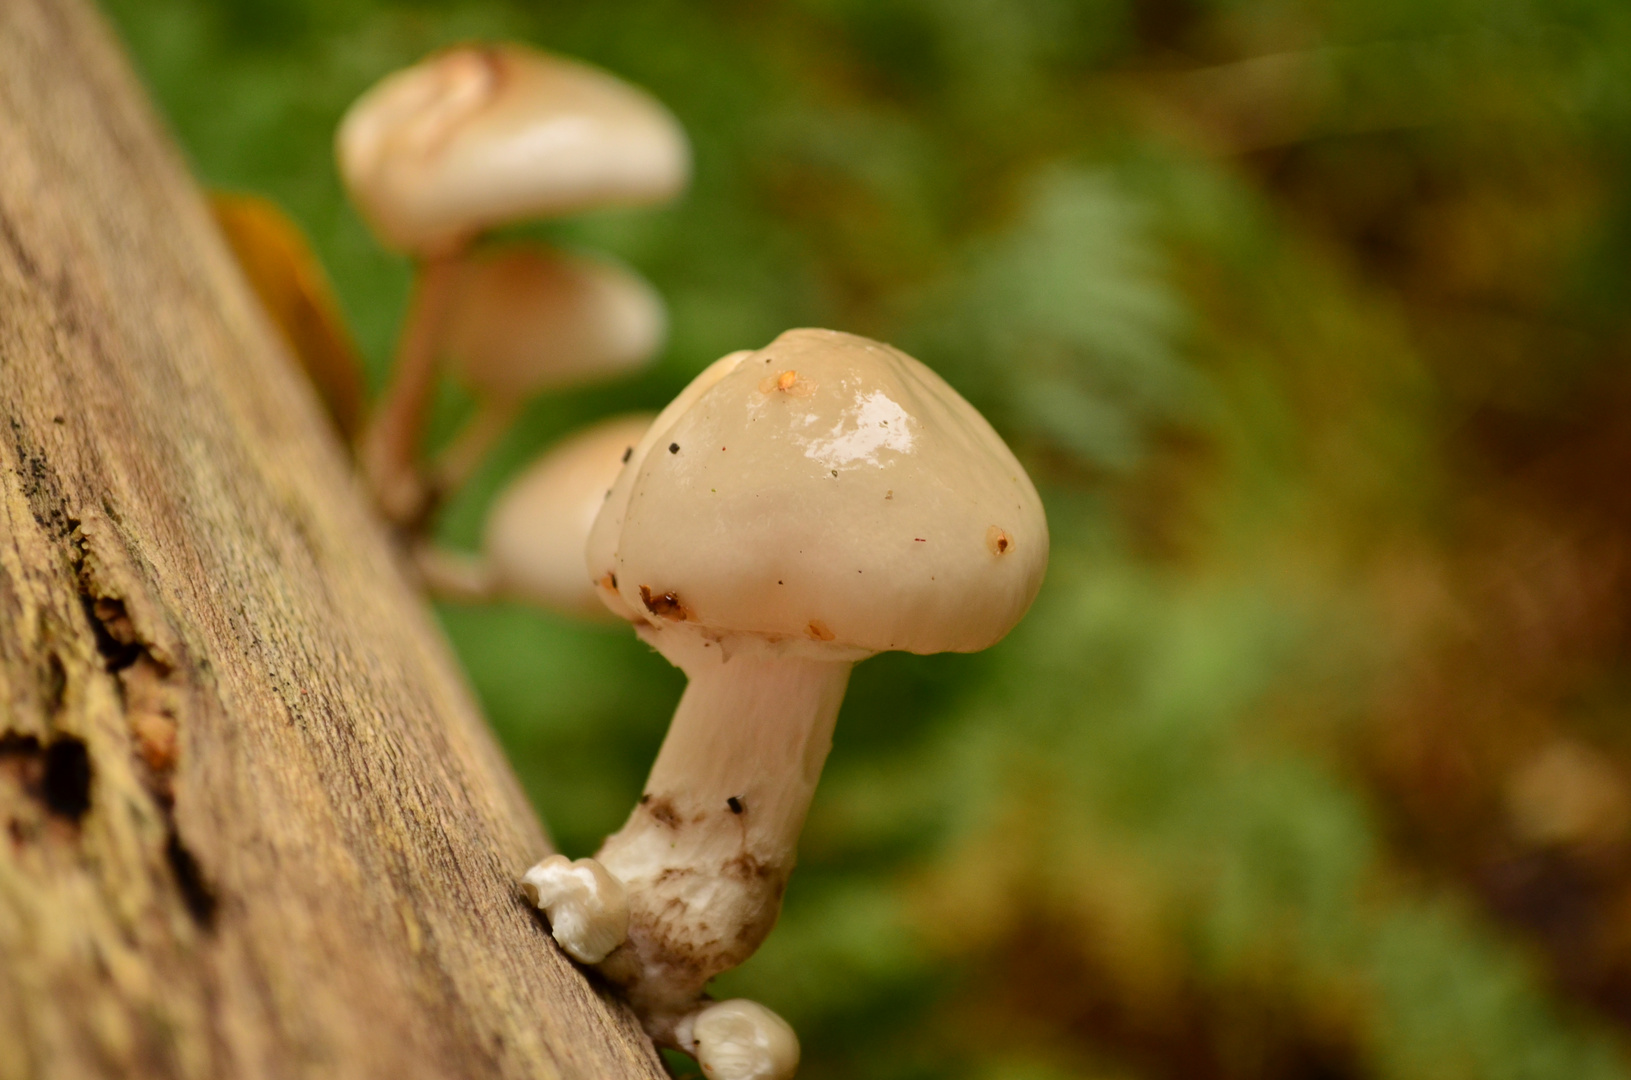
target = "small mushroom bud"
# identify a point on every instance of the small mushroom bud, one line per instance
(586, 908)
(740, 1040)
(537, 527)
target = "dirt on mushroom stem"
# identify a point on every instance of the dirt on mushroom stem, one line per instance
(706, 854)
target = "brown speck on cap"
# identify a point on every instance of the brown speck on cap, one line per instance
(609, 581)
(998, 541)
(627, 453)
(819, 631)
(673, 448)
(786, 382)
(667, 605)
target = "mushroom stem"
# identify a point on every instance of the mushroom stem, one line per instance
(390, 446)
(453, 575)
(459, 460)
(706, 855)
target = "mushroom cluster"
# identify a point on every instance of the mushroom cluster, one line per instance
(795, 510)
(479, 136)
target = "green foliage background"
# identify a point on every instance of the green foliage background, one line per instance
(1309, 319)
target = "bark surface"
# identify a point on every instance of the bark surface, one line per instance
(251, 824)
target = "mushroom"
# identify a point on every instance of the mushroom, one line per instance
(794, 511)
(739, 1040)
(473, 137)
(480, 135)
(525, 318)
(532, 542)
(537, 527)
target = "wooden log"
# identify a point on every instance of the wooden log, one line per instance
(251, 824)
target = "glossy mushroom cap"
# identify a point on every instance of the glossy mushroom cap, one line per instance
(599, 551)
(537, 527)
(829, 495)
(524, 319)
(479, 135)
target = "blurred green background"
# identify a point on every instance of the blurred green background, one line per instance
(1309, 319)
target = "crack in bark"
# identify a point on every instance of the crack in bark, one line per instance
(60, 769)
(153, 695)
(55, 772)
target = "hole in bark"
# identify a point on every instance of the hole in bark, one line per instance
(56, 684)
(57, 773)
(195, 890)
(66, 786)
(115, 634)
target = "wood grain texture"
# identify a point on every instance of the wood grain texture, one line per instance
(251, 823)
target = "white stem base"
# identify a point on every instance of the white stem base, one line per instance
(586, 908)
(706, 855)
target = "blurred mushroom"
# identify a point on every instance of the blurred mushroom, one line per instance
(538, 525)
(532, 544)
(527, 319)
(795, 510)
(480, 135)
(473, 137)
(1568, 794)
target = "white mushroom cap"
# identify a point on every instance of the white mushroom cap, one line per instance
(602, 542)
(523, 319)
(826, 491)
(478, 135)
(536, 528)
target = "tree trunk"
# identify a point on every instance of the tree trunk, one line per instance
(250, 822)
